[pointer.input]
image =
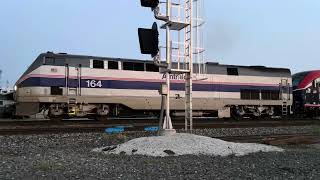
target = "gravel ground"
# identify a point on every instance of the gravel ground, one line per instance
(254, 131)
(185, 144)
(70, 156)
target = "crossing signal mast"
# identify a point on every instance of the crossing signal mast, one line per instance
(181, 17)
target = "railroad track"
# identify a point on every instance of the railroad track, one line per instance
(40, 127)
(203, 121)
(270, 139)
(67, 128)
(48, 127)
(255, 138)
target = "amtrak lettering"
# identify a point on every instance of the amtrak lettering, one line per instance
(174, 76)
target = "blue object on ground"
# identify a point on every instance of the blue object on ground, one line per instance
(151, 128)
(114, 130)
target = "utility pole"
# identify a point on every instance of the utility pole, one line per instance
(167, 126)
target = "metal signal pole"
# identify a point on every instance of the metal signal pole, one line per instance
(167, 122)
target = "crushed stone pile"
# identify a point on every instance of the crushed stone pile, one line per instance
(185, 144)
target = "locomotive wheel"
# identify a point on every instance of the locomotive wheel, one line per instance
(235, 116)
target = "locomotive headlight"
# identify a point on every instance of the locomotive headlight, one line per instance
(15, 88)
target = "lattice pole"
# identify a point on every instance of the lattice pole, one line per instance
(186, 52)
(189, 64)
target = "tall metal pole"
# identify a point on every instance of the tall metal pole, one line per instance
(191, 66)
(168, 124)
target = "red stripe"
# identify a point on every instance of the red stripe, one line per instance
(313, 75)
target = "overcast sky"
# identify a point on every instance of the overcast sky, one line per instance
(277, 33)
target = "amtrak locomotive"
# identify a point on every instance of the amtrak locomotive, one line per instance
(62, 85)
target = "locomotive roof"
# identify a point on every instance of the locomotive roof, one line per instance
(212, 67)
(65, 55)
(256, 67)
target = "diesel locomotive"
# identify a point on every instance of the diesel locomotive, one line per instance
(62, 86)
(306, 93)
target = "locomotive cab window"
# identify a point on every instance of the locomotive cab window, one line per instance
(60, 62)
(98, 64)
(113, 65)
(49, 61)
(152, 68)
(297, 78)
(131, 66)
(232, 71)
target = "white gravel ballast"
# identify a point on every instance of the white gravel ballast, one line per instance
(185, 144)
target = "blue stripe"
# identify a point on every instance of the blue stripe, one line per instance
(121, 84)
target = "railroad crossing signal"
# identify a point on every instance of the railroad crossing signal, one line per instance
(150, 3)
(183, 54)
(149, 44)
(149, 40)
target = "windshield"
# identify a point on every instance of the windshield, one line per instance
(297, 78)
